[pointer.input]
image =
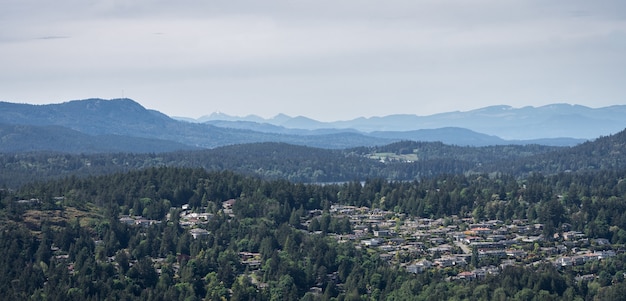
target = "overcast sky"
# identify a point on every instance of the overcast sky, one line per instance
(328, 60)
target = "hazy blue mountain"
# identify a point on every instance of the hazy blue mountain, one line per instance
(222, 116)
(219, 116)
(125, 117)
(449, 135)
(552, 121)
(91, 116)
(271, 128)
(185, 119)
(28, 138)
(506, 122)
(250, 125)
(301, 122)
(465, 137)
(279, 119)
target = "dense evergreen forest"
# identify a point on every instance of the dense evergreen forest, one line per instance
(273, 161)
(401, 161)
(64, 239)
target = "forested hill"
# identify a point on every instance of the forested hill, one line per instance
(30, 138)
(417, 159)
(604, 153)
(399, 161)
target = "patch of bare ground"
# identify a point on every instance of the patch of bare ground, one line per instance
(34, 218)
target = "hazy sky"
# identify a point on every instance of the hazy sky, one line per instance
(329, 60)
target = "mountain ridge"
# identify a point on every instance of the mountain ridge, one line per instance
(33, 138)
(126, 119)
(559, 120)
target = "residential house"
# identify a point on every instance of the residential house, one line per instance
(197, 233)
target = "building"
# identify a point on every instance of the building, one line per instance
(199, 233)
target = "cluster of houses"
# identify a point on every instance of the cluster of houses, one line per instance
(420, 244)
(189, 218)
(583, 257)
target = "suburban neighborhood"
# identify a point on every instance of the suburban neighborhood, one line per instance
(466, 249)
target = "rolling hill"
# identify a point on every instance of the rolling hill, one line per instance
(400, 161)
(125, 117)
(122, 120)
(30, 138)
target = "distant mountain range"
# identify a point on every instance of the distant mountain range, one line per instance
(123, 125)
(505, 122)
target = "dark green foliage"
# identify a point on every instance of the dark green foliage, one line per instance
(270, 161)
(105, 259)
(315, 165)
(604, 153)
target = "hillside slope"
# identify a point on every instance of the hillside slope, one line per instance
(28, 138)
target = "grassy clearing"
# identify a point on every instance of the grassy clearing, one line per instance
(394, 157)
(33, 218)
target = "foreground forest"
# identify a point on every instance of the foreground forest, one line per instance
(67, 239)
